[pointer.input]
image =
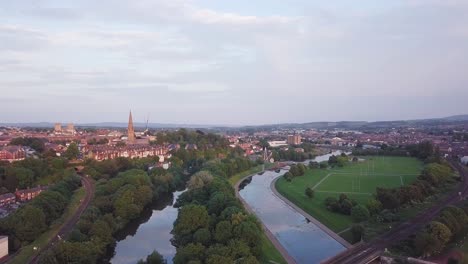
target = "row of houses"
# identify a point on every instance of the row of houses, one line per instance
(21, 195)
(12, 153)
(105, 152)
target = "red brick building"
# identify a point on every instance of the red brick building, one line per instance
(29, 194)
(7, 198)
(12, 153)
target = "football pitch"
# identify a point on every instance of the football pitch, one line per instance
(358, 180)
(364, 176)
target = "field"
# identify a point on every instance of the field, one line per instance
(357, 180)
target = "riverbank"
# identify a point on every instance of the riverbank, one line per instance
(309, 217)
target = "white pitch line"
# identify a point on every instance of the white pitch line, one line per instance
(401, 179)
(344, 192)
(318, 183)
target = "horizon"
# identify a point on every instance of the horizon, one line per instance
(139, 124)
(232, 62)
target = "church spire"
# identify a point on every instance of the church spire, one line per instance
(131, 130)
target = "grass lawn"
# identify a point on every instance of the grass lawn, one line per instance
(269, 252)
(357, 180)
(27, 252)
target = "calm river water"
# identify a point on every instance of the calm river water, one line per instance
(303, 240)
(150, 232)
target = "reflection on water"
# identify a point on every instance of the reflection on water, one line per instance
(304, 241)
(150, 232)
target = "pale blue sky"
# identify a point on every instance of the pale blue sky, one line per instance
(232, 62)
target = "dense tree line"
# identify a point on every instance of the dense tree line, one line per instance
(212, 226)
(28, 172)
(35, 143)
(291, 155)
(123, 188)
(432, 176)
(184, 136)
(101, 141)
(339, 161)
(295, 170)
(31, 220)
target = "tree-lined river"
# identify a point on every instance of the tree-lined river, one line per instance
(304, 241)
(152, 231)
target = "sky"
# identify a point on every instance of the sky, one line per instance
(230, 62)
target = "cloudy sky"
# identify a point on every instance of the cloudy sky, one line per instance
(232, 62)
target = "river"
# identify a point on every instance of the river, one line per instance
(303, 240)
(150, 232)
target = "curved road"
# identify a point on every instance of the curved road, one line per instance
(364, 253)
(70, 223)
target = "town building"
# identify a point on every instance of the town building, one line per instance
(6, 199)
(294, 139)
(29, 194)
(3, 246)
(277, 143)
(12, 153)
(58, 128)
(105, 152)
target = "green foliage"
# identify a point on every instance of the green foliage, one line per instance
(35, 143)
(374, 206)
(153, 258)
(309, 192)
(360, 213)
(343, 205)
(436, 173)
(432, 239)
(357, 231)
(72, 151)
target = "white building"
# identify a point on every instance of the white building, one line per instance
(464, 160)
(275, 144)
(3, 246)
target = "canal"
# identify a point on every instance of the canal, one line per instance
(304, 241)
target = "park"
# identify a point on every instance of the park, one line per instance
(357, 179)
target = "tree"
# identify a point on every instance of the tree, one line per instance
(25, 177)
(359, 213)
(223, 231)
(309, 192)
(72, 151)
(189, 253)
(30, 222)
(388, 198)
(190, 219)
(358, 231)
(288, 176)
(202, 236)
(199, 180)
(374, 206)
(153, 258)
(432, 239)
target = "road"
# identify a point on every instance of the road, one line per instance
(67, 227)
(364, 253)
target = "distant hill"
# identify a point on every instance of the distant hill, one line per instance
(456, 118)
(309, 125)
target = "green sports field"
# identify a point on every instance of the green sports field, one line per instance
(358, 180)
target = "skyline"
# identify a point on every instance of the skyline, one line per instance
(232, 63)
